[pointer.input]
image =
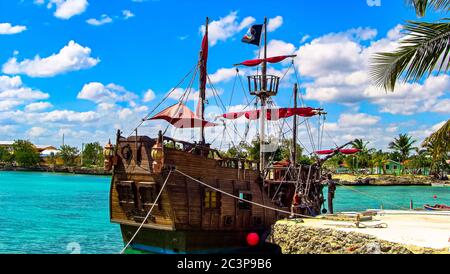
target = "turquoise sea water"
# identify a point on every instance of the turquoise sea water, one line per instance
(62, 213)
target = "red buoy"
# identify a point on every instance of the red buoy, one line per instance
(435, 196)
(252, 239)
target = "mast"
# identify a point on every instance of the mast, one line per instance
(263, 95)
(294, 137)
(203, 79)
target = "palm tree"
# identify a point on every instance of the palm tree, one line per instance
(424, 49)
(68, 154)
(362, 156)
(403, 145)
(438, 145)
(440, 140)
(360, 144)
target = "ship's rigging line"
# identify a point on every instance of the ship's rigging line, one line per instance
(371, 196)
(241, 199)
(164, 99)
(148, 214)
(184, 96)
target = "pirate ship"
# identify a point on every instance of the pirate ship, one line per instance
(173, 196)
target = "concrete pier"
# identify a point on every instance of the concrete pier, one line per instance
(394, 232)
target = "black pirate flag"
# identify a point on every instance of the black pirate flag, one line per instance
(253, 35)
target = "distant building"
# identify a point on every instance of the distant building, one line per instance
(44, 150)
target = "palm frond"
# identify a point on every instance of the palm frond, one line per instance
(421, 6)
(424, 49)
(440, 141)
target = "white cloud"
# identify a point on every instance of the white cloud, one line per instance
(278, 47)
(65, 9)
(426, 131)
(12, 89)
(222, 75)
(38, 106)
(149, 96)
(127, 14)
(226, 27)
(36, 131)
(99, 93)
(358, 119)
(9, 104)
(7, 28)
(72, 57)
(193, 94)
(305, 38)
(274, 23)
(443, 106)
(104, 19)
(336, 68)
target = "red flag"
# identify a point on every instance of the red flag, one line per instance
(255, 62)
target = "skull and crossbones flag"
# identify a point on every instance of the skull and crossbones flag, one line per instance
(253, 35)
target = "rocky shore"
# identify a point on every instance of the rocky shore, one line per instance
(295, 238)
(385, 180)
(59, 169)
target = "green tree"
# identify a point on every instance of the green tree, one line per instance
(6, 156)
(25, 153)
(51, 158)
(379, 160)
(362, 156)
(93, 154)
(68, 154)
(403, 145)
(424, 49)
(439, 141)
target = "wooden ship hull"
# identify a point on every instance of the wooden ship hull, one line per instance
(189, 217)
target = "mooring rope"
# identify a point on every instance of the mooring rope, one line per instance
(148, 214)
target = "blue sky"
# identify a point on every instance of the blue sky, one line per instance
(99, 65)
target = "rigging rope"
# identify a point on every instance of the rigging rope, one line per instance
(183, 97)
(241, 199)
(162, 101)
(148, 214)
(371, 196)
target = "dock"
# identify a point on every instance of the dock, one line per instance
(373, 231)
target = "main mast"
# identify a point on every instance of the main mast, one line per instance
(294, 134)
(203, 79)
(263, 98)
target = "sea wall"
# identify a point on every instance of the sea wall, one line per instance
(59, 169)
(295, 238)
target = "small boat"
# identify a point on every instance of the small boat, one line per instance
(437, 207)
(437, 184)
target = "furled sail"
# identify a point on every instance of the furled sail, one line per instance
(256, 62)
(273, 114)
(348, 151)
(181, 116)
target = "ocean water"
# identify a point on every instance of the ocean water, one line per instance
(56, 213)
(64, 213)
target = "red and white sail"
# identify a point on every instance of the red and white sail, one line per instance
(273, 114)
(181, 116)
(272, 60)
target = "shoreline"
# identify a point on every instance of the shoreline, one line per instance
(60, 169)
(343, 179)
(385, 180)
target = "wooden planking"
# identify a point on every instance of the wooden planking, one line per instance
(182, 200)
